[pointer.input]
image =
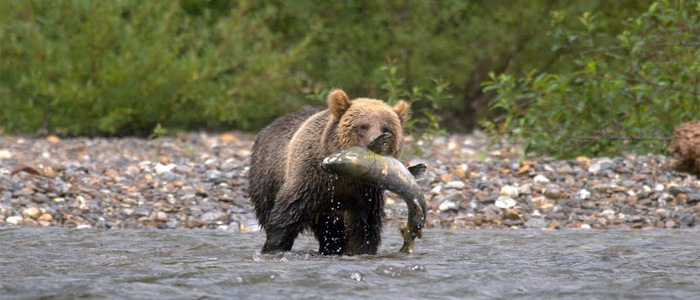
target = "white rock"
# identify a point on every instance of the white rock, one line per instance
(464, 168)
(455, 185)
(505, 202)
(171, 199)
(448, 205)
(540, 179)
(509, 191)
(594, 168)
(583, 194)
(659, 187)
(451, 146)
(14, 220)
(585, 226)
(608, 212)
(161, 168)
(5, 154)
(436, 190)
(83, 226)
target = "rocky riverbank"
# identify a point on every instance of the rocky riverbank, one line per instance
(199, 180)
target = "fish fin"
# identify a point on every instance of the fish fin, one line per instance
(380, 144)
(417, 170)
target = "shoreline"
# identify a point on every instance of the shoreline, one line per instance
(198, 180)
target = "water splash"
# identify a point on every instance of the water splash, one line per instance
(331, 187)
(357, 276)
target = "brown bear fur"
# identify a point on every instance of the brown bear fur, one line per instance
(685, 147)
(291, 193)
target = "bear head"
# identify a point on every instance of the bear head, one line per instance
(360, 121)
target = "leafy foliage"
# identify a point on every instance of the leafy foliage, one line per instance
(625, 92)
(122, 67)
(425, 119)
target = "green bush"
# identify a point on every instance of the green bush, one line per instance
(626, 91)
(122, 67)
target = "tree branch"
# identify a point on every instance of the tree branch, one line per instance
(621, 138)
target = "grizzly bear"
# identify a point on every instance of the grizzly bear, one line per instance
(291, 193)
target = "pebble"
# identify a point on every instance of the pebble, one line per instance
(46, 217)
(553, 191)
(540, 179)
(197, 180)
(505, 202)
(542, 202)
(536, 223)
(160, 168)
(31, 212)
(212, 216)
(14, 220)
(448, 206)
(583, 194)
(5, 154)
(602, 164)
(455, 185)
(525, 189)
(693, 198)
(510, 191)
(510, 214)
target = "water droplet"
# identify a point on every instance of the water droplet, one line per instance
(357, 276)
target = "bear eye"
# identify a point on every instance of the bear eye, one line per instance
(363, 127)
(385, 130)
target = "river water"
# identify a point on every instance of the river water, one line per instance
(469, 264)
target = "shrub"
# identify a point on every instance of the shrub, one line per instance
(121, 67)
(626, 91)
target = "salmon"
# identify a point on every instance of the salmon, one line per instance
(372, 165)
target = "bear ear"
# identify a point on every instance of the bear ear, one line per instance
(402, 108)
(338, 103)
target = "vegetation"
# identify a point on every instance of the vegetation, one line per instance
(122, 67)
(625, 92)
(80, 67)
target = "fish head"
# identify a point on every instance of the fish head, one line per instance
(345, 162)
(381, 143)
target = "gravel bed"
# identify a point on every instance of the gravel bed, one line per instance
(198, 180)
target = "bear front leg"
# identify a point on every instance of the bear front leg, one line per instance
(284, 225)
(330, 233)
(364, 237)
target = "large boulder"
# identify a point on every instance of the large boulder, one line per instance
(685, 147)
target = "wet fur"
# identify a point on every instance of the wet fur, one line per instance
(291, 193)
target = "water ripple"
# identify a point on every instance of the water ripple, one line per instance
(475, 264)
